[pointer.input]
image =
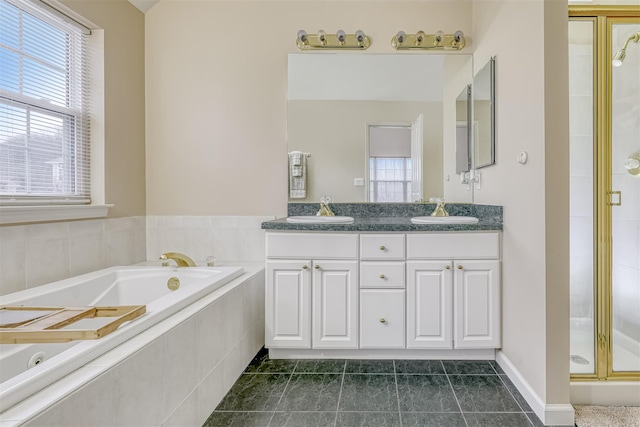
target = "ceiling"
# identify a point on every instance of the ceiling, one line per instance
(144, 5)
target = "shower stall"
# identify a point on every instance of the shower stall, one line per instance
(604, 91)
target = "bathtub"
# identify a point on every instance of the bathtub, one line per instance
(28, 368)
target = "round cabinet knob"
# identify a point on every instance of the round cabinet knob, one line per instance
(304, 267)
(447, 267)
(460, 267)
(382, 320)
(383, 248)
(316, 266)
(382, 276)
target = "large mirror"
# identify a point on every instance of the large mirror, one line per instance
(376, 127)
(484, 129)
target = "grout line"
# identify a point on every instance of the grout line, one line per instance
(285, 388)
(455, 396)
(344, 369)
(514, 398)
(395, 374)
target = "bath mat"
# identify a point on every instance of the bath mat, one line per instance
(607, 416)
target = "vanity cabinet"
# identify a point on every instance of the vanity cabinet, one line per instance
(453, 295)
(476, 293)
(382, 291)
(429, 304)
(414, 291)
(311, 275)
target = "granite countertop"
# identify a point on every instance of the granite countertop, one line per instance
(389, 217)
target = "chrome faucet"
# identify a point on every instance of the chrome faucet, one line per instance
(439, 210)
(181, 259)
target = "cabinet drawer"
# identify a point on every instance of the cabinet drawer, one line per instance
(453, 246)
(382, 246)
(382, 274)
(312, 245)
(382, 318)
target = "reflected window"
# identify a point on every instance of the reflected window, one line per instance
(390, 179)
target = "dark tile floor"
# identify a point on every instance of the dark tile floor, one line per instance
(380, 393)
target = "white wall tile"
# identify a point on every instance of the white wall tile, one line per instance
(140, 394)
(91, 405)
(626, 246)
(47, 253)
(581, 155)
(13, 259)
(185, 414)
(86, 246)
(581, 236)
(210, 393)
(211, 338)
(179, 364)
(581, 197)
(233, 317)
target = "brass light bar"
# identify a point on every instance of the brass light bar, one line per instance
(421, 40)
(339, 40)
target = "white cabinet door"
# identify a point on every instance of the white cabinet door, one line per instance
(335, 304)
(382, 318)
(288, 304)
(429, 304)
(477, 304)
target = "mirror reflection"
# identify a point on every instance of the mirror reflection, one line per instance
(375, 127)
(484, 116)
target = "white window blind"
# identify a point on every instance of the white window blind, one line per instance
(44, 106)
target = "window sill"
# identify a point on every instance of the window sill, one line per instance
(26, 214)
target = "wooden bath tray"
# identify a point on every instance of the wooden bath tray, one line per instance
(21, 325)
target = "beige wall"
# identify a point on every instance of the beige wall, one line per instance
(124, 112)
(532, 116)
(217, 92)
(337, 143)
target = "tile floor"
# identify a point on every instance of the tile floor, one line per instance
(380, 393)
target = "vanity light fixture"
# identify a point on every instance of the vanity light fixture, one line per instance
(421, 40)
(339, 40)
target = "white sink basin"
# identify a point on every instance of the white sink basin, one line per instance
(444, 220)
(320, 219)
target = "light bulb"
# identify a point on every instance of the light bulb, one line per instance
(341, 36)
(439, 37)
(458, 36)
(420, 35)
(322, 36)
(302, 36)
(401, 36)
(360, 36)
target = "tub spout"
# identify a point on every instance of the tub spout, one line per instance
(181, 259)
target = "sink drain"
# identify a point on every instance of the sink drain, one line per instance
(579, 359)
(37, 359)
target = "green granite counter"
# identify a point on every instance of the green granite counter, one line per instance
(389, 217)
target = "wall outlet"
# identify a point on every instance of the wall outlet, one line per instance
(358, 182)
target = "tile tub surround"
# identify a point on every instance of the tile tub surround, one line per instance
(380, 393)
(172, 374)
(390, 217)
(36, 254)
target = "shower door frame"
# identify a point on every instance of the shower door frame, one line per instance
(603, 18)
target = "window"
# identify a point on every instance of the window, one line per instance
(44, 125)
(390, 179)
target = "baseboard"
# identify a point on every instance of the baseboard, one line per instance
(605, 393)
(549, 414)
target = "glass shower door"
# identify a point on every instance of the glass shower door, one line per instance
(625, 196)
(581, 222)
